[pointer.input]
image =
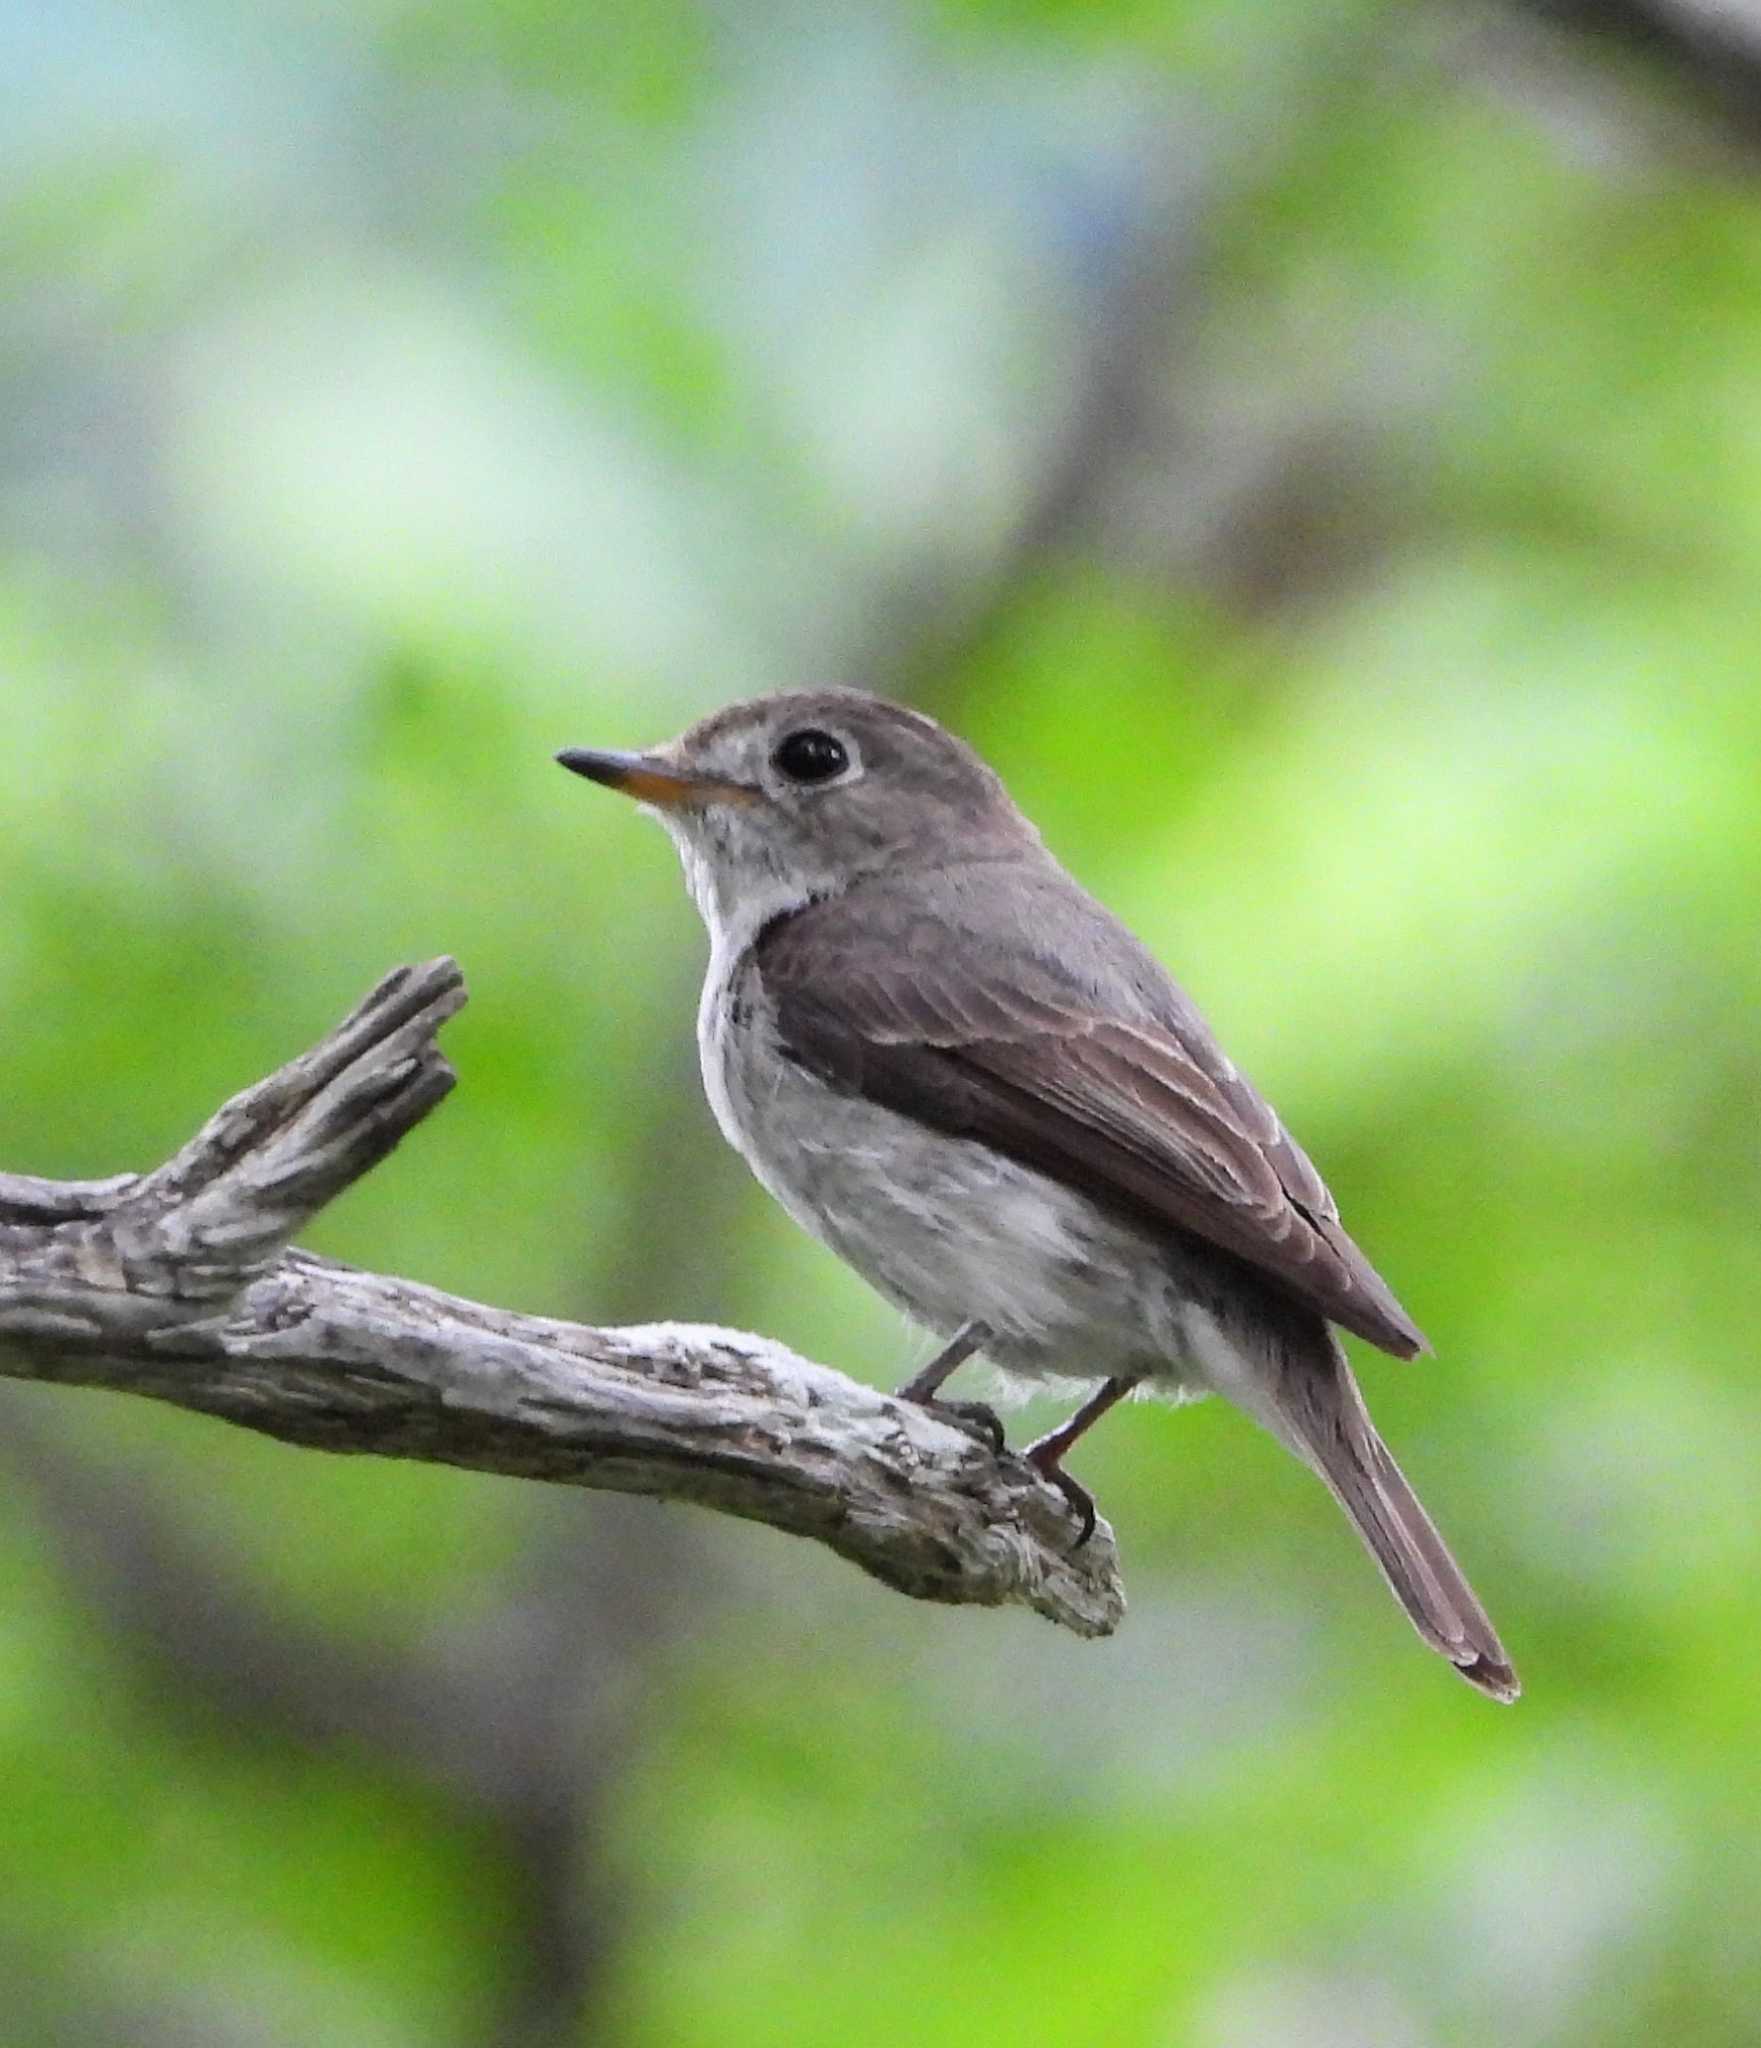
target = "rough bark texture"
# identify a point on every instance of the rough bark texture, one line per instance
(178, 1285)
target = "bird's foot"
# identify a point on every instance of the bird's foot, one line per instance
(1047, 1455)
(978, 1418)
(1043, 1457)
(924, 1387)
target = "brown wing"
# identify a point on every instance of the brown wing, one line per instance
(1119, 1091)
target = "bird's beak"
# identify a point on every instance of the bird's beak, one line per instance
(651, 781)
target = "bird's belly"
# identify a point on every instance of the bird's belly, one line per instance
(947, 1229)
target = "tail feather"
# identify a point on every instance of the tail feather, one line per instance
(1325, 1421)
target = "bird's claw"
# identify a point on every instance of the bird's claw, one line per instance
(977, 1417)
(1074, 1492)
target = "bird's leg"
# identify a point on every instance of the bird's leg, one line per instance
(923, 1387)
(1046, 1456)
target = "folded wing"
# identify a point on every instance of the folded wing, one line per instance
(1119, 1092)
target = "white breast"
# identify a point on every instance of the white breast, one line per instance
(945, 1228)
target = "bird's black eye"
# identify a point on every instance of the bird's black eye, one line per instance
(810, 756)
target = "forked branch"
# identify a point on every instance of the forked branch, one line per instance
(180, 1285)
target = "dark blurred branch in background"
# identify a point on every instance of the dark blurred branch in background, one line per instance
(920, 639)
(1714, 46)
(178, 1286)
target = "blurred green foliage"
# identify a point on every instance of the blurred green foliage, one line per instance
(395, 393)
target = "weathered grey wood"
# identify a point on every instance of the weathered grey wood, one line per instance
(179, 1285)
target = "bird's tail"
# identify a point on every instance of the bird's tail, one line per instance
(1321, 1415)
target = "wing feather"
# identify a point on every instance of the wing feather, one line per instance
(1122, 1094)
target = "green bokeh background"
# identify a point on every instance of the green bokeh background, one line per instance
(1316, 453)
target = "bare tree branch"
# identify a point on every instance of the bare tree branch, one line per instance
(178, 1285)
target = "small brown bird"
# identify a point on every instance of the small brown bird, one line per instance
(953, 1066)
